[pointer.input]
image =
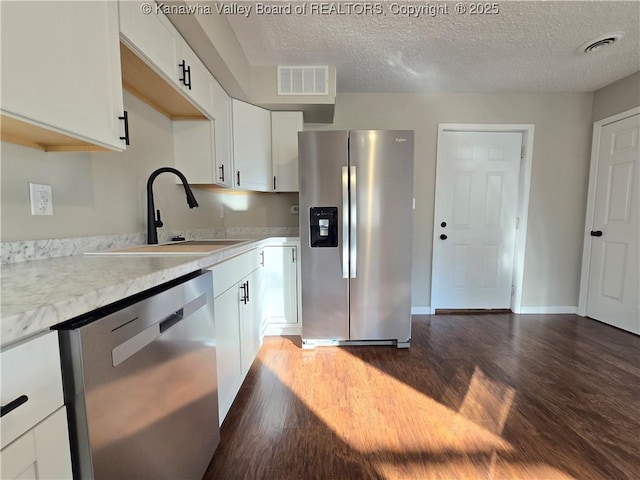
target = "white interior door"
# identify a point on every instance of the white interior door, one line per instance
(613, 293)
(475, 219)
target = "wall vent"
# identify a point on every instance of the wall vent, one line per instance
(303, 80)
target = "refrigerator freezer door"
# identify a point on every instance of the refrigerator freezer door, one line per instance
(381, 290)
(325, 294)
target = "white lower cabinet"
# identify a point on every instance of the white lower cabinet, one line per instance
(251, 319)
(227, 320)
(41, 453)
(280, 279)
(237, 309)
(33, 428)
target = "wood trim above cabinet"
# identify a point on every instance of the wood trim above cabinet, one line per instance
(142, 81)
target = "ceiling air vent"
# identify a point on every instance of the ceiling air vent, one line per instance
(303, 80)
(600, 42)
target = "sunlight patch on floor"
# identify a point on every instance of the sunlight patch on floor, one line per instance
(403, 432)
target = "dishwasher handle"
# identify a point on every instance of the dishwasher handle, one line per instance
(139, 341)
(172, 320)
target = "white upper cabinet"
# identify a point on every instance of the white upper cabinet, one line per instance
(204, 148)
(284, 147)
(252, 147)
(193, 148)
(152, 36)
(61, 72)
(223, 135)
(195, 80)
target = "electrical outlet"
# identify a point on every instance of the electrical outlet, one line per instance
(41, 199)
(295, 209)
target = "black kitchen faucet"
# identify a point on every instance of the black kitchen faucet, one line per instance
(154, 222)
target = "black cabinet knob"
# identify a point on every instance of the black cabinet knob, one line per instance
(443, 224)
(596, 233)
(443, 237)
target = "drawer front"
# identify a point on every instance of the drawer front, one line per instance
(31, 369)
(43, 452)
(230, 272)
(19, 459)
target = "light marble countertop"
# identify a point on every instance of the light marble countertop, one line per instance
(39, 294)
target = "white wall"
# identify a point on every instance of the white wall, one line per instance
(105, 193)
(559, 175)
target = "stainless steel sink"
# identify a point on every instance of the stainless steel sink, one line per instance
(188, 247)
(210, 242)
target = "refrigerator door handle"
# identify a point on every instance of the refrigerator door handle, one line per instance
(353, 220)
(345, 222)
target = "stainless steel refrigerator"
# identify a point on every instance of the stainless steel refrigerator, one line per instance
(356, 209)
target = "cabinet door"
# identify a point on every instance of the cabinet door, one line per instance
(193, 147)
(251, 320)
(284, 147)
(61, 68)
(227, 321)
(197, 84)
(223, 135)
(151, 36)
(280, 285)
(252, 147)
(42, 452)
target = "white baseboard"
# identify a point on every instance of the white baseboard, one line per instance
(420, 310)
(550, 309)
(275, 329)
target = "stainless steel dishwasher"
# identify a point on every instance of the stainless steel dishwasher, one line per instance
(140, 384)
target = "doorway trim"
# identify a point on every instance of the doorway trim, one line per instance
(524, 188)
(591, 203)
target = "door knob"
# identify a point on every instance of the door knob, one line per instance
(443, 237)
(596, 233)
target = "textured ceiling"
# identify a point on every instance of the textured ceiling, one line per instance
(526, 47)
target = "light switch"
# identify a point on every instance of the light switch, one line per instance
(41, 199)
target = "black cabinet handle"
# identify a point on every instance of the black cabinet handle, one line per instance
(188, 77)
(183, 78)
(262, 258)
(274, 182)
(12, 405)
(443, 237)
(244, 298)
(443, 224)
(221, 167)
(247, 290)
(238, 175)
(293, 255)
(186, 74)
(125, 119)
(596, 233)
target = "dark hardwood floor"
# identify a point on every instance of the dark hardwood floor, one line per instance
(489, 397)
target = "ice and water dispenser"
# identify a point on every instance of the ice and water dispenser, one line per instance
(323, 226)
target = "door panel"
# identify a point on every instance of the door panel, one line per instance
(476, 201)
(381, 292)
(325, 294)
(613, 293)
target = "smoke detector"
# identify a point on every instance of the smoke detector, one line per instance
(600, 42)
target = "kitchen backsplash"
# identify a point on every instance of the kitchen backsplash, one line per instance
(27, 250)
